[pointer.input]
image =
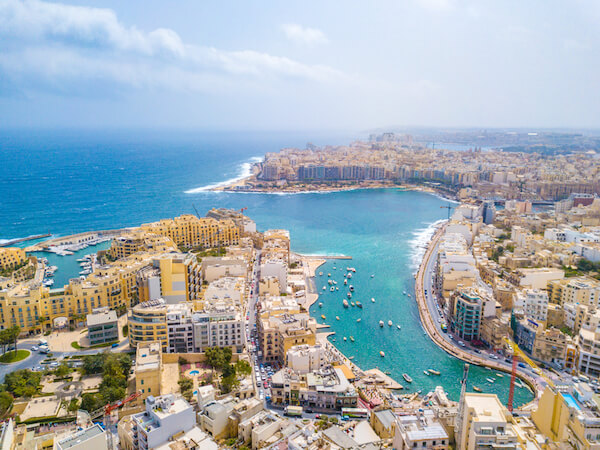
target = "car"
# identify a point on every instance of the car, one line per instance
(477, 350)
(261, 396)
(34, 349)
(53, 364)
(450, 336)
(115, 345)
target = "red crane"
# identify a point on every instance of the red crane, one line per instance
(116, 405)
(513, 376)
(243, 209)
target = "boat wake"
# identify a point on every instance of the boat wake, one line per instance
(418, 244)
(245, 170)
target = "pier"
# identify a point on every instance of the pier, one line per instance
(327, 257)
(28, 238)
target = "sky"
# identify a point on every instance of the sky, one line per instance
(300, 65)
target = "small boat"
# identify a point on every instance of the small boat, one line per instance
(372, 275)
(337, 318)
(389, 323)
(351, 338)
(320, 274)
(352, 304)
(476, 389)
(351, 358)
(387, 372)
(409, 295)
(345, 282)
(372, 300)
(328, 274)
(334, 282)
(359, 304)
(349, 275)
(323, 316)
(490, 380)
(382, 354)
(334, 268)
(349, 295)
(499, 375)
(345, 302)
(433, 371)
(407, 378)
(352, 269)
(351, 288)
(320, 304)
(324, 288)
(345, 338)
(426, 373)
(337, 288)
(332, 289)
(404, 292)
(381, 323)
(329, 282)
(358, 320)
(399, 327)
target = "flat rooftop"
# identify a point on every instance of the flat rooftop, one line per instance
(80, 437)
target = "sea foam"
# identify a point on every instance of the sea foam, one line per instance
(419, 242)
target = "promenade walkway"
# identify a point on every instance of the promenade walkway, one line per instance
(436, 335)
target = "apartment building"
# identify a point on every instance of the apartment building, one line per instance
(148, 369)
(148, 323)
(11, 257)
(103, 326)
(421, 430)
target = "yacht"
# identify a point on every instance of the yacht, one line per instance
(490, 380)
(399, 327)
(332, 289)
(320, 304)
(426, 373)
(349, 295)
(352, 338)
(345, 338)
(358, 320)
(433, 371)
(476, 389)
(359, 304)
(323, 316)
(337, 317)
(351, 288)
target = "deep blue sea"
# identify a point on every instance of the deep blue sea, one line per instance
(72, 181)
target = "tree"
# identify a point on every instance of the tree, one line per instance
(242, 367)
(73, 405)
(91, 402)
(229, 383)
(186, 386)
(62, 371)
(218, 357)
(93, 364)
(23, 383)
(6, 402)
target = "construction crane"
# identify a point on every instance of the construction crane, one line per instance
(520, 354)
(449, 208)
(241, 211)
(458, 423)
(108, 409)
(197, 213)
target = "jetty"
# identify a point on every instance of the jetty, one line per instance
(326, 257)
(28, 238)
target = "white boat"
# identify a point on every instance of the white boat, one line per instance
(382, 354)
(381, 323)
(433, 371)
(337, 318)
(358, 320)
(499, 375)
(407, 378)
(345, 282)
(372, 300)
(352, 338)
(372, 276)
(329, 282)
(349, 295)
(426, 372)
(399, 327)
(324, 288)
(490, 380)
(320, 274)
(390, 323)
(345, 338)
(328, 274)
(352, 304)
(349, 275)
(404, 292)
(351, 288)
(320, 305)
(345, 302)
(337, 288)
(332, 289)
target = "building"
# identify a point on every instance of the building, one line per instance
(466, 315)
(148, 369)
(582, 290)
(536, 305)
(148, 323)
(383, 422)
(422, 431)
(12, 257)
(306, 358)
(92, 438)
(214, 418)
(103, 326)
(137, 241)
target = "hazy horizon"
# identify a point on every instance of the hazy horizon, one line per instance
(349, 67)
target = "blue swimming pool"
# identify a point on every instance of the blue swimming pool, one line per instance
(571, 402)
(194, 372)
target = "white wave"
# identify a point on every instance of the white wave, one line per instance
(244, 171)
(419, 243)
(441, 197)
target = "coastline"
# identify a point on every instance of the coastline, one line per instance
(431, 329)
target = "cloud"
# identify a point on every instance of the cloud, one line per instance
(303, 35)
(47, 44)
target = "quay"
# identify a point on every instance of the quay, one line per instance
(435, 335)
(28, 238)
(326, 257)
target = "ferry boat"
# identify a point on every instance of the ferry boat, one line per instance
(358, 320)
(490, 380)
(433, 371)
(476, 389)
(351, 338)
(359, 304)
(389, 323)
(382, 354)
(381, 323)
(407, 378)
(345, 302)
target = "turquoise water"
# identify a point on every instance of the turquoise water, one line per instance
(75, 182)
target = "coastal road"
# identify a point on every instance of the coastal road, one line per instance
(429, 317)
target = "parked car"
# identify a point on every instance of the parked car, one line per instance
(34, 349)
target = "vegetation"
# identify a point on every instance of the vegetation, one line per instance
(10, 270)
(497, 253)
(9, 337)
(6, 402)
(218, 357)
(12, 357)
(125, 330)
(566, 330)
(186, 386)
(73, 405)
(585, 265)
(216, 252)
(23, 383)
(63, 370)
(114, 369)
(181, 361)
(243, 367)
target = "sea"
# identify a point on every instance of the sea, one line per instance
(69, 181)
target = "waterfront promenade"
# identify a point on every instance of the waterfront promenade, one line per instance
(435, 334)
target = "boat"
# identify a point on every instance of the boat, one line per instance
(382, 354)
(399, 327)
(372, 275)
(332, 289)
(337, 318)
(352, 269)
(328, 274)
(409, 295)
(345, 282)
(426, 373)
(387, 372)
(490, 380)
(433, 371)
(351, 288)
(499, 375)
(351, 358)
(345, 338)
(323, 316)
(81, 259)
(320, 274)
(324, 288)
(407, 378)
(359, 304)
(372, 300)
(389, 323)
(349, 295)
(404, 292)
(320, 304)
(476, 389)
(349, 275)
(337, 288)
(352, 304)
(334, 282)
(345, 302)
(381, 323)
(358, 320)
(352, 338)
(329, 282)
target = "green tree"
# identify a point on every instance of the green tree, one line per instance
(73, 405)
(218, 357)
(242, 367)
(62, 371)
(23, 383)
(186, 386)
(91, 402)
(6, 402)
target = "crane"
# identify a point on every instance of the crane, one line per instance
(449, 208)
(241, 211)
(197, 213)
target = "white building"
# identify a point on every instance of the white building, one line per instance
(536, 305)
(229, 289)
(164, 417)
(421, 431)
(276, 268)
(218, 325)
(180, 328)
(306, 358)
(215, 268)
(92, 438)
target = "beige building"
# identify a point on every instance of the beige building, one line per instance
(148, 369)
(11, 257)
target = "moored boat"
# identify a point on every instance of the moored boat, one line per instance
(320, 304)
(337, 318)
(349, 295)
(433, 371)
(490, 380)
(389, 323)
(323, 316)
(499, 375)
(351, 303)
(345, 302)
(399, 327)
(359, 304)
(426, 373)
(407, 378)
(372, 300)
(358, 320)
(382, 354)
(352, 338)
(476, 389)
(381, 323)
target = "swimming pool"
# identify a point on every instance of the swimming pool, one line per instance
(194, 372)
(571, 402)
